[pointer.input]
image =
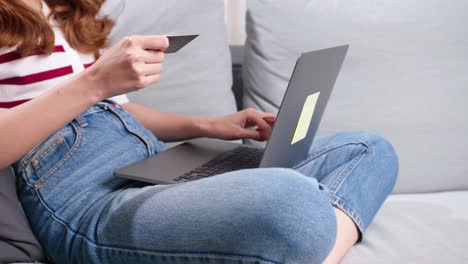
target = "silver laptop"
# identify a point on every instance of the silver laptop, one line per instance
(298, 118)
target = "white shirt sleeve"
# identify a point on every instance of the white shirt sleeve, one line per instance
(120, 99)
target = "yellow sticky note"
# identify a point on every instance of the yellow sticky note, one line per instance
(305, 118)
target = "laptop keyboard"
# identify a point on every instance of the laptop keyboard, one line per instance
(236, 159)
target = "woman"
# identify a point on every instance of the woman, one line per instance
(65, 126)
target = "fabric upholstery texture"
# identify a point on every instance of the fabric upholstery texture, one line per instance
(17, 242)
(416, 228)
(197, 79)
(404, 76)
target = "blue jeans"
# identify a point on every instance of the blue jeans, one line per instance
(81, 213)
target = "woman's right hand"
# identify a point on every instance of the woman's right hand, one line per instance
(133, 63)
(125, 67)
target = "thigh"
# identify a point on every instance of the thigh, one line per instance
(260, 215)
(62, 179)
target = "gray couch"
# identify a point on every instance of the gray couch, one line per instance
(405, 78)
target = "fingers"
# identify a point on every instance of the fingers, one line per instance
(145, 56)
(270, 119)
(149, 74)
(264, 122)
(251, 134)
(264, 127)
(267, 115)
(258, 119)
(152, 56)
(150, 69)
(153, 42)
(150, 79)
(151, 48)
(147, 62)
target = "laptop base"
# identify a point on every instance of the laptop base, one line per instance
(165, 167)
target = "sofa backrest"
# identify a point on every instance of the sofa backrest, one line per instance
(405, 75)
(197, 79)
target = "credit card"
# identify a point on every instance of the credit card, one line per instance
(178, 42)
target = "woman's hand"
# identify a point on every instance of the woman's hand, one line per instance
(133, 63)
(236, 126)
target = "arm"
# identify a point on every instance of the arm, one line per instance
(172, 127)
(126, 67)
(24, 126)
(167, 127)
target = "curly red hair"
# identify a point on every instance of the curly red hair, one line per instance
(27, 30)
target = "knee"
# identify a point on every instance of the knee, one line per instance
(295, 218)
(384, 156)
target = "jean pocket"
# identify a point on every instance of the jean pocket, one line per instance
(52, 154)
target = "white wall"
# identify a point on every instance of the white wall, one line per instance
(235, 20)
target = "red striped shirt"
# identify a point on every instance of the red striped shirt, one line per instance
(14, 55)
(25, 78)
(12, 104)
(38, 77)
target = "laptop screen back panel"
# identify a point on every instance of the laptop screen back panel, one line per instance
(303, 106)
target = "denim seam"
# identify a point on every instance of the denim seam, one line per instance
(322, 151)
(47, 151)
(131, 131)
(60, 221)
(28, 156)
(67, 156)
(338, 181)
(94, 112)
(341, 177)
(334, 187)
(24, 163)
(348, 209)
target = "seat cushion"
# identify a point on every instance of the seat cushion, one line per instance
(404, 76)
(196, 80)
(17, 242)
(416, 228)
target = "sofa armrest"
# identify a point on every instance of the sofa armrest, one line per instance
(237, 57)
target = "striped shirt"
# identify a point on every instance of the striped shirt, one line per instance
(25, 78)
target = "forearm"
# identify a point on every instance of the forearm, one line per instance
(25, 126)
(125, 67)
(169, 127)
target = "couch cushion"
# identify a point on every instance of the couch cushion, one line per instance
(196, 80)
(416, 228)
(404, 76)
(17, 242)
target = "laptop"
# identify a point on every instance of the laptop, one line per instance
(292, 134)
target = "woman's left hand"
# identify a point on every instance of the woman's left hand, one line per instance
(238, 125)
